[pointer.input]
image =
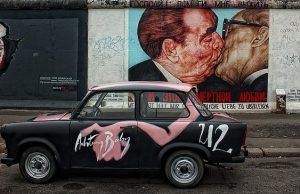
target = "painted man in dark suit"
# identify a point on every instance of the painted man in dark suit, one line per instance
(244, 61)
(183, 46)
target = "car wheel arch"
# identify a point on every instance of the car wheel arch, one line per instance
(201, 150)
(30, 142)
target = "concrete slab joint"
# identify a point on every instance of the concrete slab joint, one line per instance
(255, 153)
(273, 152)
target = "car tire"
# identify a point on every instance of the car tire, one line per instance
(37, 165)
(184, 169)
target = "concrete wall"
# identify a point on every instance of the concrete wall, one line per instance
(284, 69)
(109, 46)
(43, 54)
(108, 38)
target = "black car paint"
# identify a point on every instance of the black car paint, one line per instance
(19, 136)
(60, 137)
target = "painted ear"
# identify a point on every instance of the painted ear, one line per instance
(169, 49)
(261, 37)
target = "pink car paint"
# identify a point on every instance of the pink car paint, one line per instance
(61, 116)
(221, 114)
(182, 86)
(108, 146)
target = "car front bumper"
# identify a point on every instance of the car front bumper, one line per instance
(8, 161)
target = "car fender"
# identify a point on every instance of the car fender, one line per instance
(40, 141)
(178, 146)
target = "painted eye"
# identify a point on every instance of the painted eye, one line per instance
(229, 29)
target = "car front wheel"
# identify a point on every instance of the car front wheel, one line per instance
(37, 165)
(184, 169)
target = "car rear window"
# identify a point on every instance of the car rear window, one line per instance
(162, 105)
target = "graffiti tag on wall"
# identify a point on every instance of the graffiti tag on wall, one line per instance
(107, 48)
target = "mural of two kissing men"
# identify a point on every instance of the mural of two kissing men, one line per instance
(185, 46)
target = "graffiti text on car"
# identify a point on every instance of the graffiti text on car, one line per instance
(106, 144)
(223, 128)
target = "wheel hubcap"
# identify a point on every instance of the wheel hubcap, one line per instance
(37, 165)
(184, 169)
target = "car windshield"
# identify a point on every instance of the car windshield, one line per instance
(199, 105)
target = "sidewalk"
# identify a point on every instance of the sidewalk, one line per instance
(269, 134)
(272, 135)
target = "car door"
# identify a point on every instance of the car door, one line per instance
(163, 117)
(104, 134)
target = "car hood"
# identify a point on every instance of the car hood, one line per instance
(221, 116)
(53, 117)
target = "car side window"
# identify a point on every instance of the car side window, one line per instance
(162, 105)
(111, 105)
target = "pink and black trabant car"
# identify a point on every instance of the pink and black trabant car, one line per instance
(129, 125)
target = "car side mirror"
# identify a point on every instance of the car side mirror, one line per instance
(81, 115)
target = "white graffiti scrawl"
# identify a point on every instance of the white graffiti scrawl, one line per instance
(106, 144)
(223, 128)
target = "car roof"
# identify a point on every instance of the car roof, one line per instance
(143, 85)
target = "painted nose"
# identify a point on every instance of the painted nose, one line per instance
(218, 42)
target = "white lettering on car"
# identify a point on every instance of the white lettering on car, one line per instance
(84, 141)
(108, 143)
(223, 128)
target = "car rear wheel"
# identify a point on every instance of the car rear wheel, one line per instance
(37, 165)
(184, 169)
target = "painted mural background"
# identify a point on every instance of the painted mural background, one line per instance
(227, 63)
(47, 54)
(49, 60)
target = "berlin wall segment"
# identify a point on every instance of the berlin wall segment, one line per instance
(117, 53)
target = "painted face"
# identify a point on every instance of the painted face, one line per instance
(202, 47)
(2, 55)
(236, 52)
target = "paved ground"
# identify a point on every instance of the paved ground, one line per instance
(272, 135)
(271, 125)
(260, 175)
